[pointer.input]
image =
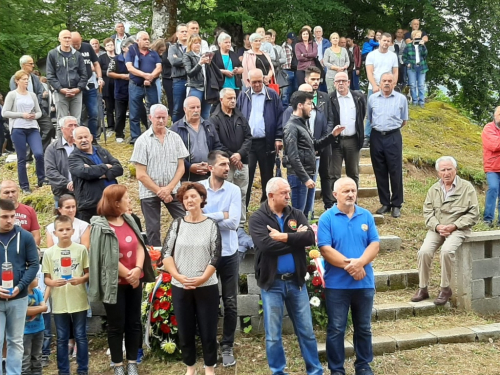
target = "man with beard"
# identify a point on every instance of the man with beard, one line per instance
(300, 148)
(224, 206)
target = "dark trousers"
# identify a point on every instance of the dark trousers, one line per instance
(326, 181)
(259, 154)
(346, 151)
(110, 112)
(169, 91)
(179, 94)
(124, 317)
(86, 214)
(301, 77)
(387, 159)
(197, 306)
(151, 209)
(47, 130)
(227, 271)
(121, 107)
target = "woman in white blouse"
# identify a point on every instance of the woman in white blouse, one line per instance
(22, 109)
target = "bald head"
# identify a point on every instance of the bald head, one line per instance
(76, 40)
(255, 73)
(256, 80)
(83, 139)
(306, 87)
(9, 190)
(65, 40)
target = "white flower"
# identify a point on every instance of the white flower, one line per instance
(144, 308)
(168, 346)
(149, 287)
(315, 301)
(311, 262)
(307, 277)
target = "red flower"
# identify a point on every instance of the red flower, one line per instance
(165, 328)
(311, 268)
(165, 305)
(166, 277)
(173, 320)
(159, 293)
(153, 319)
(169, 293)
(156, 305)
(316, 281)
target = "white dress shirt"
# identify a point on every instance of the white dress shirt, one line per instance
(347, 113)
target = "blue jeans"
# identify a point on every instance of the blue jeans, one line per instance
(89, 98)
(179, 92)
(12, 319)
(368, 127)
(136, 95)
(205, 107)
(47, 333)
(80, 331)
(290, 89)
(338, 302)
(299, 192)
(492, 196)
(311, 194)
(355, 80)
(416, 81)
(33, 138)
(296, 300)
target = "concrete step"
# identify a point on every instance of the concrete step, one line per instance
(392, 343)
(390, 243)
(363, 169)
(394, 280)
(363, 192)
(403, 310)
(365, 153)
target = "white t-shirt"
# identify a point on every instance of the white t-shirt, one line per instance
(24, 104)
(79, 226)
(382, 63)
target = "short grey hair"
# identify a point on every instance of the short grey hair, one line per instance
(222, 92)
(317, 28)
(62, 121)
(80, 127)
(446, 158)
(340, 182)
(24, 59)
(156, 107)
(140, 33)
(223, 37)
(273, 183)
(128, 42)
(387, 73)
(179, 26)
(184, 105)
(119, 23)
(254, 37)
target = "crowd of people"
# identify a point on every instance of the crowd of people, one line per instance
(297, 105)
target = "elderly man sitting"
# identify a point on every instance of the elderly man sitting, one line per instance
(450, 210)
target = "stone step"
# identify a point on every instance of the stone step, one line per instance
(406, 341)
(363, 192)
(390, 243)
(394, 280)
(365, 153)
(363, 169)
(403, 310)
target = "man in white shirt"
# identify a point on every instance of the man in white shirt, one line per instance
(378, 62)
(194, 29)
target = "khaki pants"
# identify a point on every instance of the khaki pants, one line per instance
(431, 243)
(240, 179)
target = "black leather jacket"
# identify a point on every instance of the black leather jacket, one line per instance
(194, 71)
(300, 148)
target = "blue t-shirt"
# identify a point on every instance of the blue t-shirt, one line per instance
(97, 160)
(350, 237)
(35, 325)
(286, 263)
(145, 63)
(228, 65)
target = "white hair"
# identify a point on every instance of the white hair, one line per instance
(156, 107)
(187, 99)
(24, 59)
(83, 127)
(119, 23)
(141, 33)
(128, 42)
(273, 184)
(317, 28)
(340, 182)
(254, 37)
(222, 92)
(223, 37)
(62, 121)
(446, 158)
(387, 73)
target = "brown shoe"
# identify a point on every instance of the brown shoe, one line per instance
(444, 296)
(420, 295)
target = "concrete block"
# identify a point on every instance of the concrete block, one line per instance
(483, 268)
(379, 219)
(97, 309)
(363, 169)
(381, 281)
(454, 335)
(486, 331)
(405, 312)
(364, 153)
(94, 325)
(495, 287)
(495, 249)
(374, 314)
(397, 280)
(477, 287)
(414, 340)
(426, 308)
(248, 305)
(390, 243)
(348, 347)
(367, 192)
(385, 312)
(247, 265)
(486, 305)
(252, 284)
(257, 324)
(383, 344)
(287, 326)
(477, 250)
(412, 278)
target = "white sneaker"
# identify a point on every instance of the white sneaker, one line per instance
(119, 140)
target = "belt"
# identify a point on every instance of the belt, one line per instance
(348, 136)
(386, 132)
(285, 276)
(263, 139)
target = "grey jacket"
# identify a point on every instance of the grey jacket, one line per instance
(56, 168)
(10, 111)
(178, 69)
(65, 73)
(194, 71)
(104, 259)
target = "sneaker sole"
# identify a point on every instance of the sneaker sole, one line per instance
(229, 365)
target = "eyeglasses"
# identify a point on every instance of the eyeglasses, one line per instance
(341, 81)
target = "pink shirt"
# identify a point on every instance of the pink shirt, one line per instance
(127, 243)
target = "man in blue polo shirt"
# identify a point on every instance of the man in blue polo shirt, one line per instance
(144, 66)
(348, 240)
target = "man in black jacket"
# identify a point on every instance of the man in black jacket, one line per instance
(236, 139)
(349, 110)
(280, 234)
(92, 169)
(300, 148)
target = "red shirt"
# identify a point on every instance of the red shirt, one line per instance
(127, 243)
(26, 218)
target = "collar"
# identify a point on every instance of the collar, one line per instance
(263, 92)
(151, 133)
(349, 95)
(453, 184)
(65, 142)
(336, 211)
(210, 187)
(380, 93)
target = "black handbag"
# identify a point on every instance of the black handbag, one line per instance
(281, 78)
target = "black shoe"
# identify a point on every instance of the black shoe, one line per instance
(43, 182)
(27, 191)
(132, 142)
(383, 210)
(490, 224)
(396, 212)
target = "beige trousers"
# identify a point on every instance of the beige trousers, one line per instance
(431, 243)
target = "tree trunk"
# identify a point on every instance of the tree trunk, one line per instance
(164, 18)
